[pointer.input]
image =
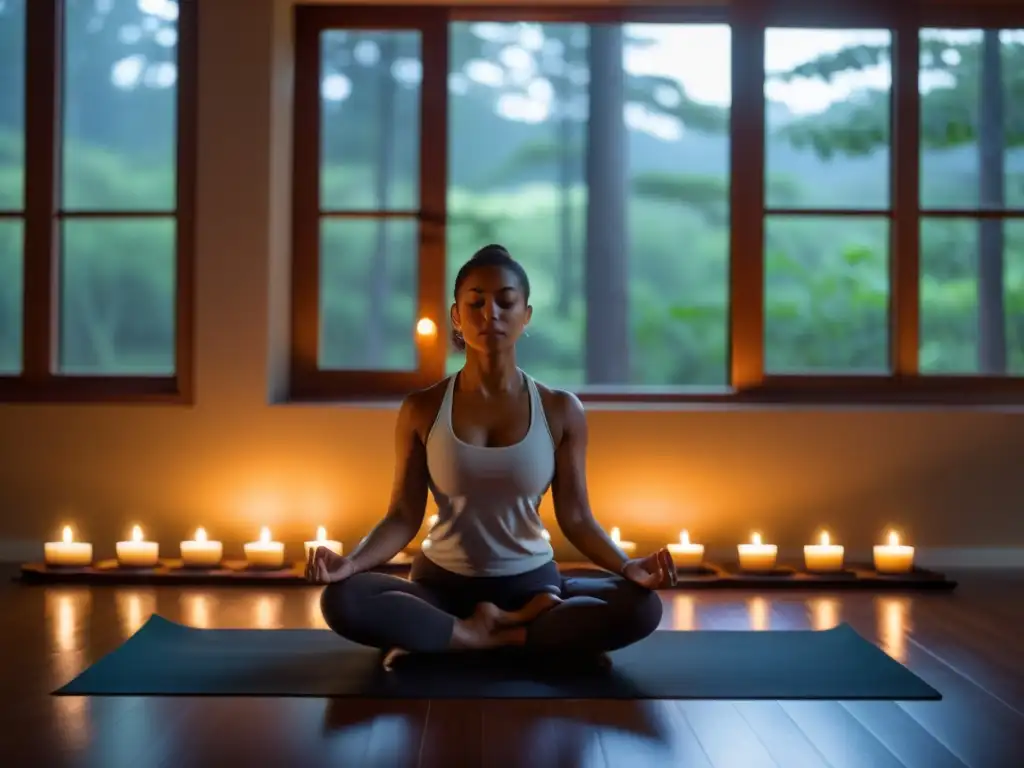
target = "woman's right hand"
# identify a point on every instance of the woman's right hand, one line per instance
(325, 566)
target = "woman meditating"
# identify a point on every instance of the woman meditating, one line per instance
(488, 442)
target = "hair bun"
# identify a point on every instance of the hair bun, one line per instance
(492, 248)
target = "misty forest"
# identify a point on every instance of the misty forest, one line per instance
(598, 155)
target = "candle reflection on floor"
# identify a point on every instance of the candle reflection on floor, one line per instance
(893, 616)
(134, 607)
(315, 616)
(198, 609)
(267, 611)
(684, 614)
(760, 613)
(67, 611)
(824, 612)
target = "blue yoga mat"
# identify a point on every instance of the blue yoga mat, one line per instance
(168, 659)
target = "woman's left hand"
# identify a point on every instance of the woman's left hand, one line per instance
(654, 571)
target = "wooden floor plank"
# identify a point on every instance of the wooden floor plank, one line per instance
(966, 644)
(524, 732)
(725, 736)
(906, 738)
(980, 645)
(781, 736)
(453, 734)
(835, 733)
(975, 727)
(643, 733)
(890, 726)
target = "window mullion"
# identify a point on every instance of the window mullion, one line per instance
(433, 299)
(905, 253)
(186, 136)
(44, 35)
(305, 309)
(746, 185)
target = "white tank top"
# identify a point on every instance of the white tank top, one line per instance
(487, 498)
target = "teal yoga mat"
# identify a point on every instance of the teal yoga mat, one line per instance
(168, 659)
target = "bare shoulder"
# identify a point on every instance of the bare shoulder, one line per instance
(564, 412)
(419, 409)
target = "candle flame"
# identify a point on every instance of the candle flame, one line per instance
(684, 538)
(894, 539)
(321, 534)
(432, 521)
(264, 535)
(756, 539)
(136, 533)
(68, 538)
(824, 539)
(616, 535)
(200, 534)
(426, 327)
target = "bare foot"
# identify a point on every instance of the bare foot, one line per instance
(481, 631)
(496, 618)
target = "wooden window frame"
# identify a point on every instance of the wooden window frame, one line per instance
(749, 383)
(40, 381)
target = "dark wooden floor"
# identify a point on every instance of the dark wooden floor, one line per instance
(968, 644)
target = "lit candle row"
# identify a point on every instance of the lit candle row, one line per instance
(824, 557)
(199, 552)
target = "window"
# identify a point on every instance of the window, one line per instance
(12, 175)
(96, 235)
(712, 205)
(972, 201)
(369, 202)
(827, 201)
(598, 154)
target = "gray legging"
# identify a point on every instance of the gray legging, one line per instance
(599, 613)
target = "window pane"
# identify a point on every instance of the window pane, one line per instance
(119, 111)
(972, 118)
(826, 295)
(629, 267)
(369, 294)
(972, 296)
(10, 295)
(370, 129)
(827, 118)
(117, 307)
(12, 104)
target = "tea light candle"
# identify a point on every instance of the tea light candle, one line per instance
(757, 556)
(264, 553)
(322, 541)
(686, 555)
(67, 553)
(894, 557)
(137, 553)
(824, 557)
(628, 547)
(201, 553)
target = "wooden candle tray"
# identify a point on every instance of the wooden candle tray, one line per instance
(712, 576)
